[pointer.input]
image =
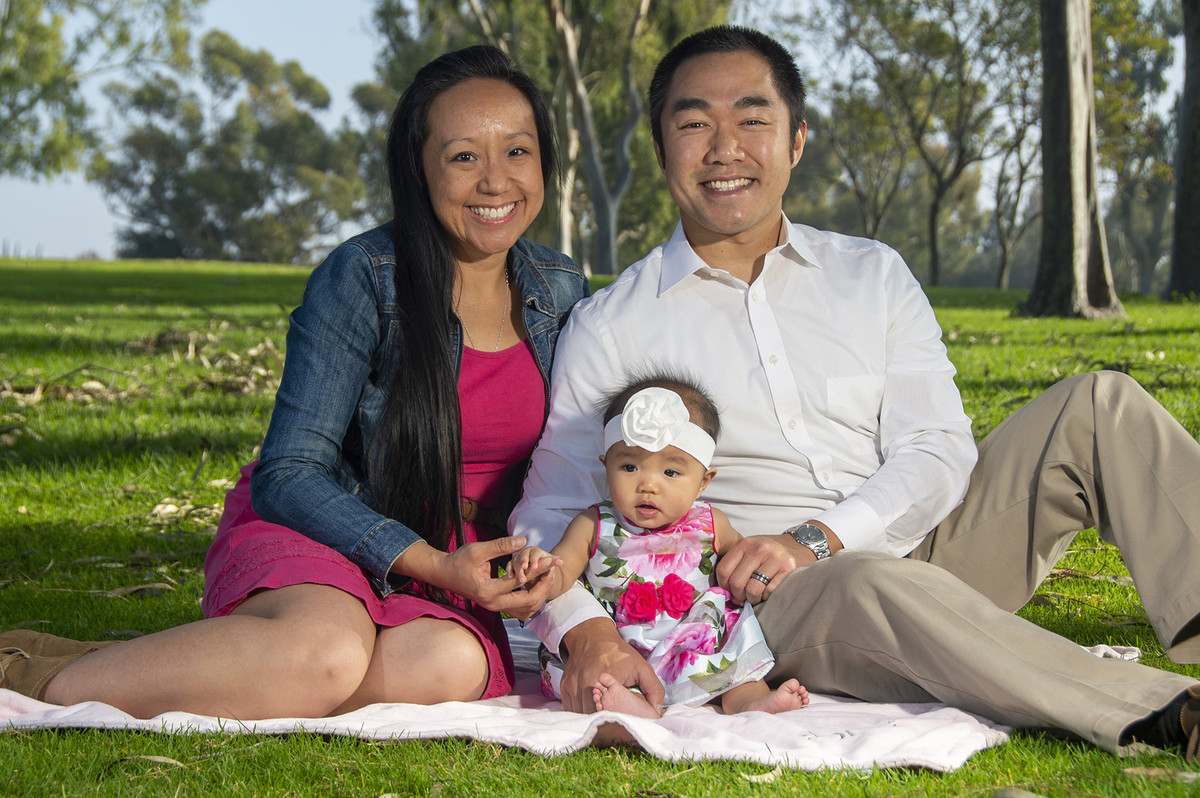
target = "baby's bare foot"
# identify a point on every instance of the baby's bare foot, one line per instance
(611, 695)
(789, 695)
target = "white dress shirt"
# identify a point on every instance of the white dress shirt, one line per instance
(836, 395)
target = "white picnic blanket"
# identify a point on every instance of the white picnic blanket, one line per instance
(829, 732)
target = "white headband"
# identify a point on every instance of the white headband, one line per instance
(655, 418)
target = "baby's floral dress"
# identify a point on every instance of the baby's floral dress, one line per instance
(660, 588)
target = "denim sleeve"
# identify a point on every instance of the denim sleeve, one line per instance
(331, 342)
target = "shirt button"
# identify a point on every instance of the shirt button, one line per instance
(792, 424)
(754, 295)
(773, 359)
(825, 476)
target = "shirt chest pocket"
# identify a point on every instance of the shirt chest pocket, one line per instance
(854, 402)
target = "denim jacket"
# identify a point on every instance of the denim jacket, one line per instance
(341, 349)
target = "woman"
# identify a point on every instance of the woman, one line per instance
(356, 563)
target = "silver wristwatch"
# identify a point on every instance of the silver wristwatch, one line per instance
(812, 537)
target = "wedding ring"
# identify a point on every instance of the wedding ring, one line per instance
(766, 580)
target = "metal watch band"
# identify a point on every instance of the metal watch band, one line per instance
(812, 537)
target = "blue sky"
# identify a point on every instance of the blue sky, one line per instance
(66, 217)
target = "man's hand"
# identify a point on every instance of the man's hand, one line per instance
(596, 647)
(773, 556)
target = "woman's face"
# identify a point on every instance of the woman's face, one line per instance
(483, 167)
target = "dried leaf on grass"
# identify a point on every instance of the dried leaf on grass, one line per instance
(171, 510)
(98, 383)
(1161, 774)
(252, 372)
(1072, 573)
(763, 778)
(149, 589)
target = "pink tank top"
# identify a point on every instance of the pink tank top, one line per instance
(503, 402)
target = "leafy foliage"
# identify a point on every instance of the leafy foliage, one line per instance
(239, 171)
(49, 48)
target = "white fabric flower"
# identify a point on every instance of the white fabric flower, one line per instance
(655, 418)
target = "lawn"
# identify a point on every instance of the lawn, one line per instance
(130, 393)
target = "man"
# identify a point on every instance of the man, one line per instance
(846, 458)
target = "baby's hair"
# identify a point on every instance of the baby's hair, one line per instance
(698, 401)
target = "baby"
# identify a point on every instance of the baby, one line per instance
(649, 555)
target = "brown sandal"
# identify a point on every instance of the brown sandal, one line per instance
(29, 660)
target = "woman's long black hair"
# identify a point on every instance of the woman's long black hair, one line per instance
(416, 458)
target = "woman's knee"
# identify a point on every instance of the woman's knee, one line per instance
(319, 640)
(457, 650)
(442, 661)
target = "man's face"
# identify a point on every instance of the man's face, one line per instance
(727, 151)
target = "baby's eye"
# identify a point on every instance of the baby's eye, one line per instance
(629, 468)
(671, 472)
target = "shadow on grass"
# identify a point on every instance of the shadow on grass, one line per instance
(190, 287)
(126, 450)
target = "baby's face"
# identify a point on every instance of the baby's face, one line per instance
(653, 489)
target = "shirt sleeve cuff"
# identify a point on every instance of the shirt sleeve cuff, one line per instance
(856, 525)
(563, 614)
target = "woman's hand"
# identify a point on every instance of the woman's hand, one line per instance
(467, 572)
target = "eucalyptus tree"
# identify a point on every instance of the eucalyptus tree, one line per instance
(237, 168)
(1074, 276)
(49, 49)
(940, 68)
(1133, 48)
(1185, 253)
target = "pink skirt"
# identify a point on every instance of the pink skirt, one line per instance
(250, 554)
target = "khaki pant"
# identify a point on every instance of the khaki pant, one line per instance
(1094, 450)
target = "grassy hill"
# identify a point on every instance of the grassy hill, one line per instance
(131, 392)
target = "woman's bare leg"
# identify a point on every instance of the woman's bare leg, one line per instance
(297, 651)
(425, 661)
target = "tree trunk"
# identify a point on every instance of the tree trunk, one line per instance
(1074, 277)
(1185, 256)
(935, 210)
(606, 199)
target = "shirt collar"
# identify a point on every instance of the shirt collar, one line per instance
(680, 260)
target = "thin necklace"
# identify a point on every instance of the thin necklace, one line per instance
(503, 316)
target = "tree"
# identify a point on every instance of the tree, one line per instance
(1074, 277)
(50, 48)
(873, 160)
(1185, 254)
(1018, 114)
(605, 193)
(240, 171)
(1131, 42)
(942, 66)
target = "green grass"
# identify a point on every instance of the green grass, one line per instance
(126, 387)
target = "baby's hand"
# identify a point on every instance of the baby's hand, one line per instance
(530, 563)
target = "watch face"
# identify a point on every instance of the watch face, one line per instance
(809, 534)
